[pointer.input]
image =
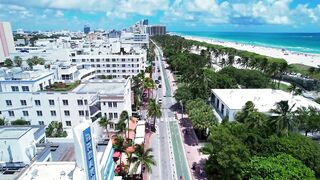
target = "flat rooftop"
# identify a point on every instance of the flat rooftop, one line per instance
(115, 87)
(52, 170)
(264, 99)
(13, 132)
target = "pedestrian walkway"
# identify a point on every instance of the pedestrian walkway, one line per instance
(182, 169)
(191, 144)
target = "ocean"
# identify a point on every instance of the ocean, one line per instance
(298, 42)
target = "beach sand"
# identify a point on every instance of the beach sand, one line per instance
(290, 56)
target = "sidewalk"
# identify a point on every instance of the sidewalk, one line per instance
(148, 136)
(191, 143)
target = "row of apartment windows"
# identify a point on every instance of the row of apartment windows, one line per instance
(16, 88)
(111, 104)
(111, 115)
(114, 65)
(108, 60)
(52, 112)
(51, 102)
(115, 71)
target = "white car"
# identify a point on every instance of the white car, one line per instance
(160, 100)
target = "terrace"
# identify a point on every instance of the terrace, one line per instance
(63, 86)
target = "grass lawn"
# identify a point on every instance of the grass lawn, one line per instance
(63, 86)
(282, 86)
(304, 70)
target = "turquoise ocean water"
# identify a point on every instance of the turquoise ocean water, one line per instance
(299, 42)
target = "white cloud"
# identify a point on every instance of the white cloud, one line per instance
(59, 13)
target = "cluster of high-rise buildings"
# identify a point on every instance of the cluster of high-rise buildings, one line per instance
(82, 77)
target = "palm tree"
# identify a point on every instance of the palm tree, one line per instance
(283, 117)
(294, 89)
(104, 122)
(230, 60)
(17, 60)
(154, 110)
(148, 84)
(142, 157)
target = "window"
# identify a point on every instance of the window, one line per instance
(87, 113)
(104, 103)
(11, 113)
(107, 60)
(110, 116)
(123, 65)
(114, 65)
(51, 102)
(83, 60)
(111, 125)
(85, 102)
(109, 104)
(67, 113)
(9, 102)
(108, 71)
(115, 115)
(123, 60)
(37, 102)
(65, 102)
(81, 113)
(41, 123)
(25, 88)
(15, 88)
(23, 102)
(123, 71)
(53, 113)
(92, 60)
(113, 60)
(108, 65)
(80, 102)
(39, 113)
(114, 71)
(68, 123)
(98, 65)
(25, 113)
(97, 60)
(115, 104)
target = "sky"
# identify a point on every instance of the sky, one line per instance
(177, 15)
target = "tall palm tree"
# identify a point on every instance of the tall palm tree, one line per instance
(148, 84)
(283, 117)
(294, 89)
(17, 60)
(142, 157)
(154, 110)
(104, 122)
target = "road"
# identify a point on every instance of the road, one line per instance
(167, 143)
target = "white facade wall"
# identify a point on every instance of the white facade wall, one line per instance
(222, 109)
(44, 113)
(119, 66)
(22, 149)
(33, 85)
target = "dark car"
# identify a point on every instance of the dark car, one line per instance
(159, 78)
(158, 70)
(159, 86)
(157, 81)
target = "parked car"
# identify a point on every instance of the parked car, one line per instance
(159, 86)
(159, 78)
(157, 81)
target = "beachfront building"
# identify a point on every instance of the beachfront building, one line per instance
(35, 96)
(156, 30)
(114, 59)
(227, 102)
(6, 41)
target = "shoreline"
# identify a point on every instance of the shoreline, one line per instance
(292, 57)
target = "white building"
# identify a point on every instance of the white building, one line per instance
(16, 80)
(18, 143)
(65, 72)
(6, 41)
(227, 102)
(87, 102)
(92, 154)
(126, 62)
